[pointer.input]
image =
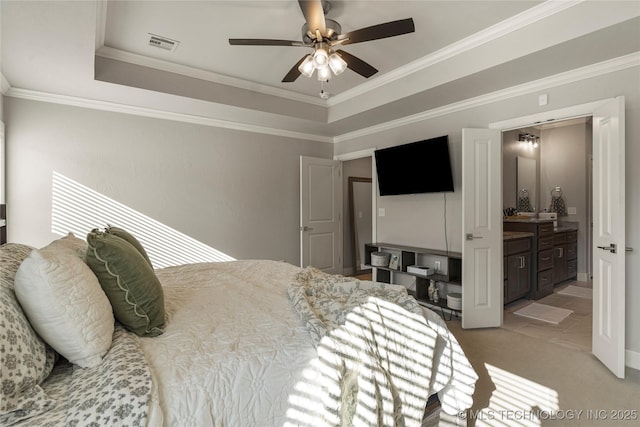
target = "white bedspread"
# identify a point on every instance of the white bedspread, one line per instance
(232, 346)
(234, 351)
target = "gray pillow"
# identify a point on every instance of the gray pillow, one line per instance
(130, 283)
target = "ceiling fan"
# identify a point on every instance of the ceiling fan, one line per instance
(323, 35)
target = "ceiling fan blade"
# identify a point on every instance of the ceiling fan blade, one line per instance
(293, 73)
(356, 64)
(264, 42)
(314, 15)
(380, 31)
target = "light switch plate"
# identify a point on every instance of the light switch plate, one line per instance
(381, 212)
(572, 210)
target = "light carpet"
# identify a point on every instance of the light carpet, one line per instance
(545, 313)
(577, 291)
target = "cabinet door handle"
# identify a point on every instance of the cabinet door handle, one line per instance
(521, 262)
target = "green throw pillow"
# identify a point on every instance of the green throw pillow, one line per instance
(124, 234)
(129, 281)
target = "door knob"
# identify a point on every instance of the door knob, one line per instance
(611, 248)
(305, 228)
(470, 236)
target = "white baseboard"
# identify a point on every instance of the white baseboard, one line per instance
(632, 359)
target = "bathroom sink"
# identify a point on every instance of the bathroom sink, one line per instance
(548, 215)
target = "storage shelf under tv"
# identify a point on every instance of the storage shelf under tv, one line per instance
(451, 265)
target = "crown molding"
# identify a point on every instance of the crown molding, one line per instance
(514, 23)
(4, 84)
(101, 23)
(593, 70)
(145, 61)
(160, 114)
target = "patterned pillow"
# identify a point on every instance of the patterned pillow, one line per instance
(65, 303)
(130, 283)
(25, 360)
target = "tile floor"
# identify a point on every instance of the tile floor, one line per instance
(574, 332)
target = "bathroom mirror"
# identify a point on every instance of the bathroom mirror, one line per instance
(360, 213)
(526, 184)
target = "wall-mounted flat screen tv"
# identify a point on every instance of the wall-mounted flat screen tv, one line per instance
(418, 167)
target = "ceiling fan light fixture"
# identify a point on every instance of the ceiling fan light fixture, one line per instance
(337, 64)
(320, 57)
(307, 66)
(324, 73)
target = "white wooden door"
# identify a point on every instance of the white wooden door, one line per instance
(482, 263)
(321, 214)
(609, 235)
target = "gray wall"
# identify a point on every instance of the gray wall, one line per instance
(237, 192)
(419, 219)
(564, 158)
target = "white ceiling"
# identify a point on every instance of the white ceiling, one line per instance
(88, 52)
(203, 29)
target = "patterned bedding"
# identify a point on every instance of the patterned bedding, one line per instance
(115, 393)
(381, 357)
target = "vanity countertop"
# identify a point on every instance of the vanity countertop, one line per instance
(513, 235)
(561, 227)
(531, 220)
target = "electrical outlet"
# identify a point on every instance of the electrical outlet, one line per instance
(437, 265)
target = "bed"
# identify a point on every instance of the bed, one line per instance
(240, 343)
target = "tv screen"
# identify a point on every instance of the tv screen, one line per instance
(418, 167)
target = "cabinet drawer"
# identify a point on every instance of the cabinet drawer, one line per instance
(545, 229)
(518, 246)
(572, 236)
(572, 268)
(559, 238)
(545, 279)
(545, 243)
(572, 251)
(545, 259)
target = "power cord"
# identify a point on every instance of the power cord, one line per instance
(446, 238)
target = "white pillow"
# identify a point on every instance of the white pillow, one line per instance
(70, 242)
(65, 304)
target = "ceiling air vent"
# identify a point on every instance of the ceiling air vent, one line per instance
(163, 42)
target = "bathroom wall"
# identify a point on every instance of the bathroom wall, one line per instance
(565, 162)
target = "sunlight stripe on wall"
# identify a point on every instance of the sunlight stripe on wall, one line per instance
(78, 209)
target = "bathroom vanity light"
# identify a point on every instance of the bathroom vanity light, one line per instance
(530, 139)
